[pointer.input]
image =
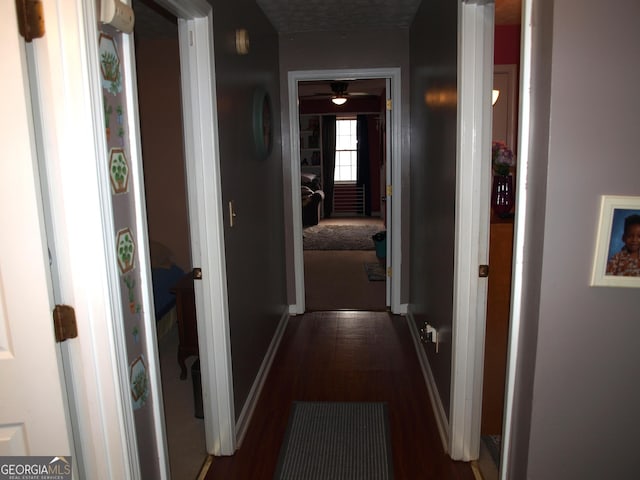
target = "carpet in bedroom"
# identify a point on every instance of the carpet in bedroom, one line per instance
(326, 236)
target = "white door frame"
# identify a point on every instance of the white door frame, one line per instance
(475, 80)
(388, 173)
(526, 97)
(394, 255)
(69, 89)
(204, 190)
(98, 389)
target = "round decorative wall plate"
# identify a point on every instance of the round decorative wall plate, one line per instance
(262, 123)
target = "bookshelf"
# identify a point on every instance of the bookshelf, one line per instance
(311, 144)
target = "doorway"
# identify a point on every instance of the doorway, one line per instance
(342, 163)
(160, 113)
(392, 168)
(501, 232)
(202, 186)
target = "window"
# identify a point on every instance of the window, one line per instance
(346, 151)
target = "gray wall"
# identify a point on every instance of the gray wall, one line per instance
(342, 50)
(577, 412)
(433, 178)
(255, 245)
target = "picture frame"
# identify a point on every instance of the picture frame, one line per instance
(262, 123)
(616, 212)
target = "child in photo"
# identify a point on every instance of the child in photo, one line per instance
(627, 261)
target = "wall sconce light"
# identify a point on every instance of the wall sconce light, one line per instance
(494, 96)
(438, 97)
(242, 41)
(339, 100)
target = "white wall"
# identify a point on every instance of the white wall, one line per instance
(577, 393)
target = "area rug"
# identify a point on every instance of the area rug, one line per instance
(338, 441)
(339, 237)
(375, 272)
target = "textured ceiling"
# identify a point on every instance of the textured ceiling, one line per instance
(290, 16)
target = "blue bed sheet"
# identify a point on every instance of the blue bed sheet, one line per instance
(163, 280)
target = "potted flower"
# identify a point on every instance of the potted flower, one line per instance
(121, 136)
(502, 158)
(119, 114)
(502, 197)
(131, 283)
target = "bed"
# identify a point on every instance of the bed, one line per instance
(164, 275)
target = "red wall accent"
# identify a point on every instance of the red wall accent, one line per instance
(507, 45)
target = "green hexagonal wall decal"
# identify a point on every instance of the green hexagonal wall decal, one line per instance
(118, 170)
(126, 250)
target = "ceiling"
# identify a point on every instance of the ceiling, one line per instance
(322, 88)
(293, 16)
(152, 21)
(289, 16)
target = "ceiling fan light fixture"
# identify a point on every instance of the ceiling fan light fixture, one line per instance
(339, 100)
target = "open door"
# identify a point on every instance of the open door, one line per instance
(195, 36)
(388, 182)
(28, 424)
(475, 80)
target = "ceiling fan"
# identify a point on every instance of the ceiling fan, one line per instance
(339, 93)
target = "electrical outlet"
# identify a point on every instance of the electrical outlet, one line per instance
(432, 334)
(428, 334)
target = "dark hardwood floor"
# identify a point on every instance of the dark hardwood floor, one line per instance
(346, 356)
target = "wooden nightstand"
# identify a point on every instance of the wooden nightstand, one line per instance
(187, 325)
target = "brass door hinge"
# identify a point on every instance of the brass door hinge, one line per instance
(64, 323)
(389, 272)
(483, 271)
(196, 273)
(389, 104)
(389, 190)
(30, 19)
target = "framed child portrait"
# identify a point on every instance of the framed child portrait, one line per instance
(617, 257)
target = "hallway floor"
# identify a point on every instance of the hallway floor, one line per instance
(346, 356)
(337, 279)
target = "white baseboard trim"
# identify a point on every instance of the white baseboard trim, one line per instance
(432, 388)
(403, 308)
(249, 406)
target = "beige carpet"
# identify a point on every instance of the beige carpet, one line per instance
(337, 280)
(185, 432)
